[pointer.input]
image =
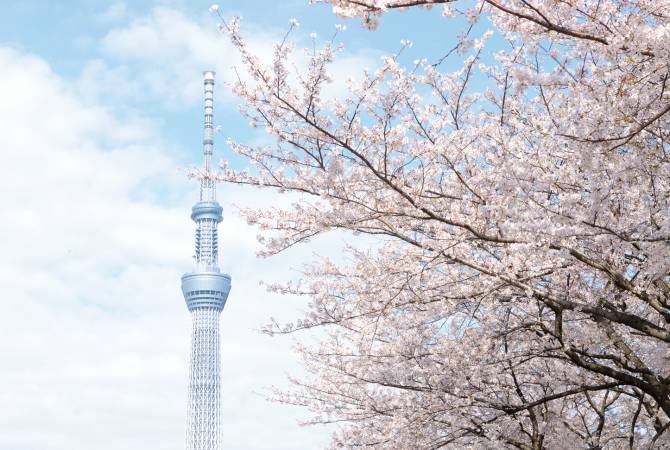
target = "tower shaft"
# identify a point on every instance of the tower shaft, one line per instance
(204, 400)
(205, 290)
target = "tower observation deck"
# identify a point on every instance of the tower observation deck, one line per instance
(205, 291)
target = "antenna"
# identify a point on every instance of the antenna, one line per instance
(207, 184)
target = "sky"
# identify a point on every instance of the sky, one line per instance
(100, 111)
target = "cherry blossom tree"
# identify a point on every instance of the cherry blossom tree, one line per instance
(518, 291)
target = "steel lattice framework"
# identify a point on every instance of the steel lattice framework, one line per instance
(205, 291)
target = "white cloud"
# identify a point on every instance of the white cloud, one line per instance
(99, 80)
(165, 52)
(94, 332)
(114, 12)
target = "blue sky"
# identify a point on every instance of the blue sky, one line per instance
(100, 103)
(72, 35)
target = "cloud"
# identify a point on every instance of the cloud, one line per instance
(114, 12)
(148, 47)
(166, 51)
(95, 235)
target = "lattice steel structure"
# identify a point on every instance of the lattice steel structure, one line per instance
(205, 291)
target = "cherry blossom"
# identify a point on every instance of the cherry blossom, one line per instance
(518, 294)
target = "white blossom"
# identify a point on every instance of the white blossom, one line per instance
(517, 293)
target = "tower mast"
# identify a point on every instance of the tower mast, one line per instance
(207, 185)
(205, 290)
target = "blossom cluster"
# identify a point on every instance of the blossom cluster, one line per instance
(520, 294)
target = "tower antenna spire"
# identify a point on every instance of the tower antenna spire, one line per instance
(207, 183)
(205, 290)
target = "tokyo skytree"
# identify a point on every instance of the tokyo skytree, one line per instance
(205, 291)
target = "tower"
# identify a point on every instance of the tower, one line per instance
(205, 291)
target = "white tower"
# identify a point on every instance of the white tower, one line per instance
(205, 291)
